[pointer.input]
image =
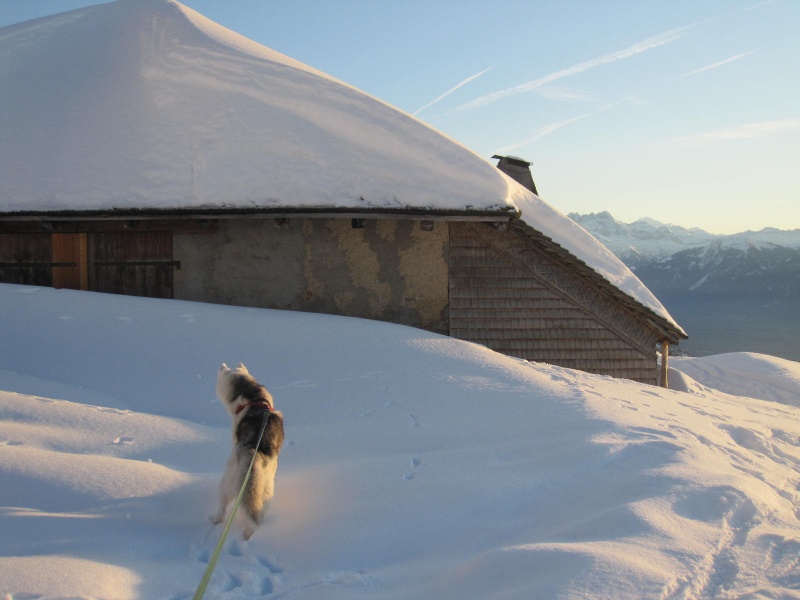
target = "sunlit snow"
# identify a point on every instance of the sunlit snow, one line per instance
(415, 465)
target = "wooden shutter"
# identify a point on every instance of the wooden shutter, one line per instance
(131, 263)
(26, 258)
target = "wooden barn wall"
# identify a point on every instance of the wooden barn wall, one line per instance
(508, 294)
(391, 270)
(135, 263)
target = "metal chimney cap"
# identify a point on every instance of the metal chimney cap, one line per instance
(514, 160)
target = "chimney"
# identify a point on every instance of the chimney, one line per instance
(518, 169)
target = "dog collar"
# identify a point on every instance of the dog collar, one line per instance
(241, 407)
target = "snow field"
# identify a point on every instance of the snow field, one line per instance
(415, 465)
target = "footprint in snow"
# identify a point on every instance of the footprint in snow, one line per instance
(200, 553)
(412, 469)
(271, 564)
(237, 547)
(300, 383)
(226, 582)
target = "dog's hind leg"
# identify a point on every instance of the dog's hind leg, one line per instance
(259, 493)
(228, 488)
(223, 505)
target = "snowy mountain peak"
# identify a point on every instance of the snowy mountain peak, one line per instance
(643, 240)
(769, 237)
(647, 239)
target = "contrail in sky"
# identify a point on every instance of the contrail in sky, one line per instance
(551, 127)
(643, 46)
(718, 64)
(453, 89)
(750, 130)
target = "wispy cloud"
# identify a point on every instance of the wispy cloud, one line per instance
(452, 89)
(717, 64)
(643, 46)
(552, 127)
(748, 131)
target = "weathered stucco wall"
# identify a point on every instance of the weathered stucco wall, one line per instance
(391, 270)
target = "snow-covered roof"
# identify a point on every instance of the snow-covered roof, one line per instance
(148, 105)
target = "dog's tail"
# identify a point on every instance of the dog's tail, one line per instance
(259, 491)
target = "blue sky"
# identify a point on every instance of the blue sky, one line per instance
(684, 111)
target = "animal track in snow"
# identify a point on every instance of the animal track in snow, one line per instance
(200, 553)
(717, 570)
(238, 573)
(374, 410)
(300, 383)
(236, 548)
(412, 469)
(271, 564)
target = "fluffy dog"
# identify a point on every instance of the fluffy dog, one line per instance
(247, 401)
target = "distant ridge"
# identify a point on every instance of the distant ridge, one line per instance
(738, 292)
(647, 239)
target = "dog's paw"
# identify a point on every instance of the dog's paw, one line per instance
(215, 519)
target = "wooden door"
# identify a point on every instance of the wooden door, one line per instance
(69, 261)
(131, 263)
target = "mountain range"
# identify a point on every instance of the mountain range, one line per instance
(729, 292)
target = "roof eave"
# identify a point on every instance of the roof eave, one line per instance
(466, 214)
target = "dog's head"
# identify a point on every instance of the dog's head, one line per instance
(236, 387)
(226, 384)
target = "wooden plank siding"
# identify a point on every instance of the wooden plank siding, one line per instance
(511, 293)
(26, 259)
(117, 262)
(135, 264)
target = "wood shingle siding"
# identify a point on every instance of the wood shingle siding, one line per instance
(514, 294)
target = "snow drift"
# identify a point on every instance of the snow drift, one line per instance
(416, 465)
